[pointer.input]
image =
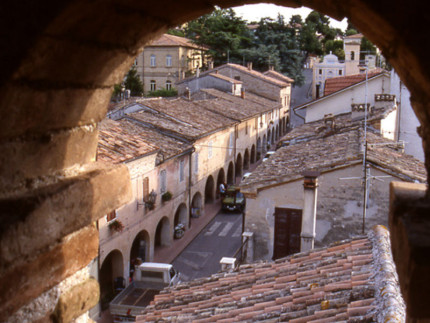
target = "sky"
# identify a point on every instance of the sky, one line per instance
(254, 12)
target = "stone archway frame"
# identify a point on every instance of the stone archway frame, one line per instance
(39, 75)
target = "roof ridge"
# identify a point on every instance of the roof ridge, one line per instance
(388, 300)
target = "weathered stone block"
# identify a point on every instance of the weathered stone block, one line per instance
(38, 274)
(77, 301)
(38, 110)
(409, 226)
(30, 222)
(25, 159)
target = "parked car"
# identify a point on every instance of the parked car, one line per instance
(245, 176)
(234, 200)
(268, 154)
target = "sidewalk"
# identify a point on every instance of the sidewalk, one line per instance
(169, 253)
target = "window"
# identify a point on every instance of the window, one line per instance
(237, 78)
(145, 191)
(163, 183)
(168, 60)
(110, 216)
(152, 85)
(135, 62)
(340, 72)
(168, 85)
(181, 170)
(152, 61)
(196, 162)
(210, 149)
(352, 56)
(320, 71)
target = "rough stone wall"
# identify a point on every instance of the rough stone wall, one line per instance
(339, 208)
(58, 69)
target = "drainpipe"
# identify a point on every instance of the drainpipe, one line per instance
(190, 173)
(310, 185)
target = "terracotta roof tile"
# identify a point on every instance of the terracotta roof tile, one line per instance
(339, 83)
(314, 147)
(167, 40)
(279, 76)
(118, 143)
(325, 299)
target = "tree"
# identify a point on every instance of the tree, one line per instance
(223, 32)
(133, 82)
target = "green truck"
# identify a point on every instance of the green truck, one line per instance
(233, 200)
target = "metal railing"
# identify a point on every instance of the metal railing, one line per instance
(241, 253)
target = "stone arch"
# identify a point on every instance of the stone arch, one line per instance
(30, 73)
(230, 173)
(239, 165)
(181, 215)
(140, 247)
(246, 159)
(196, 205)
(220, 179)
(264, 148)
(269, 138)
(287, 124)
(259, 149)
(253, 155)
(112, 269)
(209, 190)
(277, 133)
(162, 233)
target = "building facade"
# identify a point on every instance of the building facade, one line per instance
(275, 191)
(166, 60)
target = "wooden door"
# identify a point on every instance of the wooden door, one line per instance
(288, 225)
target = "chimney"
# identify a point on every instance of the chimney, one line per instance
(250, 66)
(242, 93)
(187, 93)
(228, 264)
(310, 185)
(329, 121)
(211, 65)
(271, 68)
(198, 72)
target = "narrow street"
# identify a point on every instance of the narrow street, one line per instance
(220, 238)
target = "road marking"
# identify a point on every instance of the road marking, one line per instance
(190, 263)
(226, 229)
(238, 232)
(213, 228)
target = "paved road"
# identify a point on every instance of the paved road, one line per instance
(220, 238)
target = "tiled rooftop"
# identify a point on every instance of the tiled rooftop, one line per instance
(339, 83)
(225, 78)
(315, 147)
(118, 144)
(172, 41)
(238, 108)
(279, 76)
(123, 140)
(255, 74)
(350, 281)
(184, 117)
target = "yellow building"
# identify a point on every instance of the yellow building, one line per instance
(166, 60)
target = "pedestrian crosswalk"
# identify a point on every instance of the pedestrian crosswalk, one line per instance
(224, 229)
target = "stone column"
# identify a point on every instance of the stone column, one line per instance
(310, 185)
(249, 246)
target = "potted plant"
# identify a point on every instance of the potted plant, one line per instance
(167, 196)
(150, 205)
(116, 225)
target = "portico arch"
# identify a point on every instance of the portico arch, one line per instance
(162, 233)
(209, 190)
(111, 270)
